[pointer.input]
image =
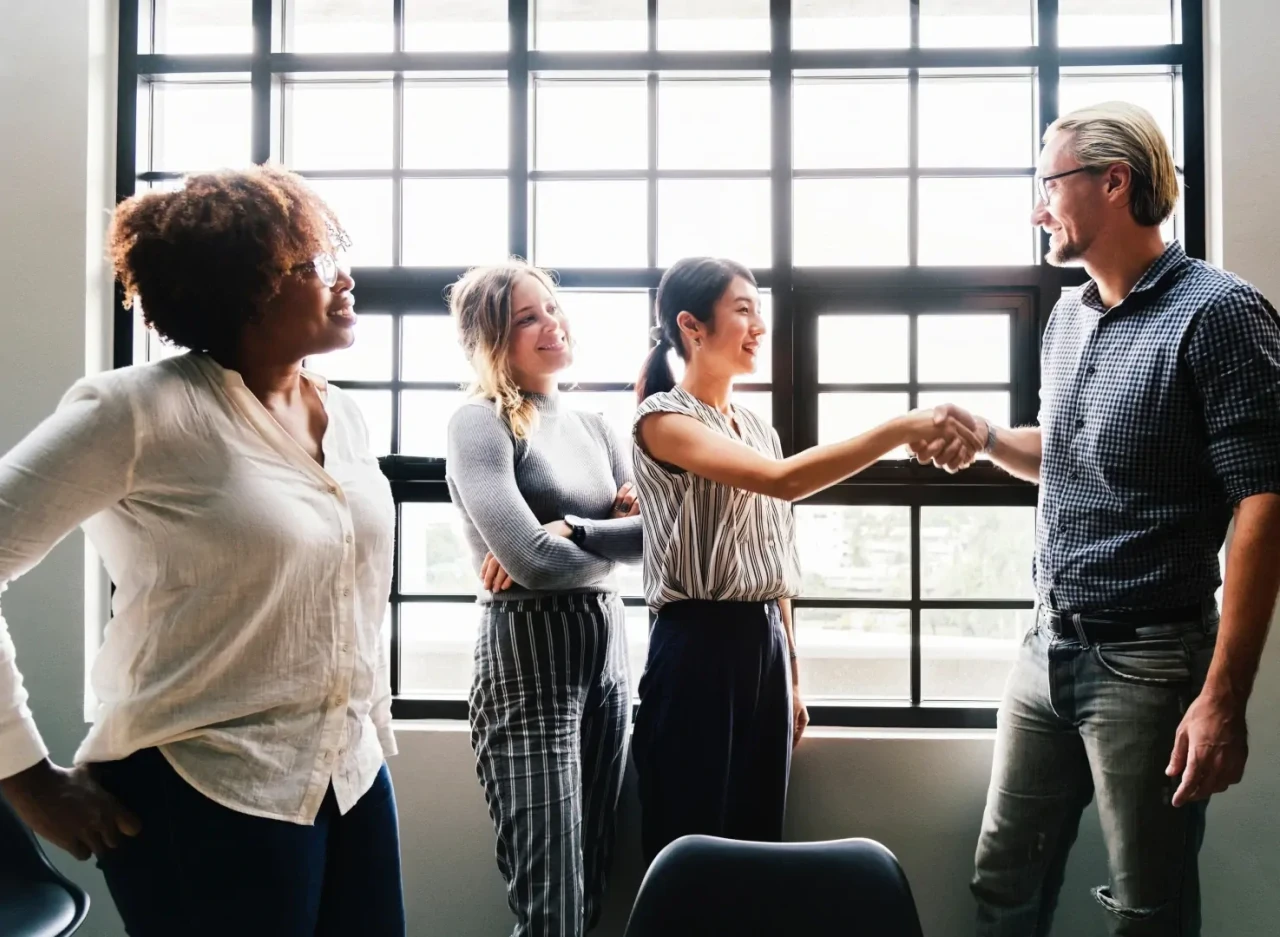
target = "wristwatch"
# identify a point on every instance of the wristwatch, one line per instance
(991, 437)
(577, 530)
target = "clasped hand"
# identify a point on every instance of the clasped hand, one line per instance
(948, 436)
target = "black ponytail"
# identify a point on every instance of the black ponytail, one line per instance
(691, 285)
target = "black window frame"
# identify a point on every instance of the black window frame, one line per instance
(799, 295)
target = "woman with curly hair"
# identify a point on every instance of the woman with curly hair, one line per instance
(233, 780)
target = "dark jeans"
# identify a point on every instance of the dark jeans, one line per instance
(712, 739)
(198, 868)
(1081, 720)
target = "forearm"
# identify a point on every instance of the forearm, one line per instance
(618, 539)
(1248, 598)
(1018, 451)
(809, 472)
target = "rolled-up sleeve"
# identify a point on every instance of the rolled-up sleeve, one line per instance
(1234, 356)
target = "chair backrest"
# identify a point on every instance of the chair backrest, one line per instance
(31, 885)
(703, 885)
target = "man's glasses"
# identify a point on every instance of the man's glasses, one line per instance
(1042, 182)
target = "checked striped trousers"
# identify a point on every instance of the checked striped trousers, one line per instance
(550, 706)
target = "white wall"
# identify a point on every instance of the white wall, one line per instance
(920, 795)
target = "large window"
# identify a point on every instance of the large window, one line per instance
(871, 160)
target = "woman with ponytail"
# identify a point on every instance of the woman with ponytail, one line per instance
(548, 509)
(720, 707)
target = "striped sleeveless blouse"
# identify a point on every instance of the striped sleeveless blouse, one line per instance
(705, 540)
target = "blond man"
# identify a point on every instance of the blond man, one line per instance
(1159, 423)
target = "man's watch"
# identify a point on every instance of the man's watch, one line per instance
(991, 437)
(577, 530)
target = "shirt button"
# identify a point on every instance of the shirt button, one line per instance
(348, 538)
(344, 648)
(328, 757)
(1075, 476)
(346, 592)
(333, 490)
(1090, 370)
(1080, 423)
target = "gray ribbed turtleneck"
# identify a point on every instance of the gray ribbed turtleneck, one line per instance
(507, 488)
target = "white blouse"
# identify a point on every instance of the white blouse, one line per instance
(251, 584)
(705, 540)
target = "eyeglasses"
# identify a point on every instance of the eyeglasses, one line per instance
(1042, 181)
(324, 265)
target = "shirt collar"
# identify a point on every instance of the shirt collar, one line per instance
(1173, 256)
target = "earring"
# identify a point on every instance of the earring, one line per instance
(697, 342)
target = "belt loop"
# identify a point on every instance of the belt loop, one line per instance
(1079, 626)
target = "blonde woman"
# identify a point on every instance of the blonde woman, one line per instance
(546, 500)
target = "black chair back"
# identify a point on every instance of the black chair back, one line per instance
(36, 900)
(701, 886)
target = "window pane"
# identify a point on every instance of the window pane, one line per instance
(966, 654)
(831, 117)
(199, 125)
(434, 556)
(430, 350)
(841, 415)
(975, 23)
(363, 206)
(1108, 23)
(454, 222)
(196, 27)
(375, 405)
(602, 25)
(964, 349)
(861, 349)
(338, 126)
(719, 218)
(437, 643)
(455, 125)
(989, 404)
(424, 421)
(850, 24)
(854, 653)
(851, 222)
(615, 137)
(367, 359)
(617, 407)
(611, 334)
(449, 26)
(637, 622)
(590, 224)
(854, 552)
(950, 567)
(947, 110)
(713, 124)
(1155, 92)
(349, 26)
(704, 25)
(997, 222)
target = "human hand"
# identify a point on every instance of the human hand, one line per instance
(69, 808)
(493, 576)
(961, 436)
(800, 713)
(627, 503)
(1210, 748)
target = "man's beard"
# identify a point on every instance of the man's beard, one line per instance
(1065, 251)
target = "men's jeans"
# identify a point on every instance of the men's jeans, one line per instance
(1079, 719)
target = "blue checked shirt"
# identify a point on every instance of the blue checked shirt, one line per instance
(1158, 417)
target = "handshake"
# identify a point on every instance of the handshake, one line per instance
(948, 436)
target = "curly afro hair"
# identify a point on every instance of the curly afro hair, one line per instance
(203, 259)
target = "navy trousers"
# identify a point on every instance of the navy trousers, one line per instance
(203, 870)
(712, 737)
